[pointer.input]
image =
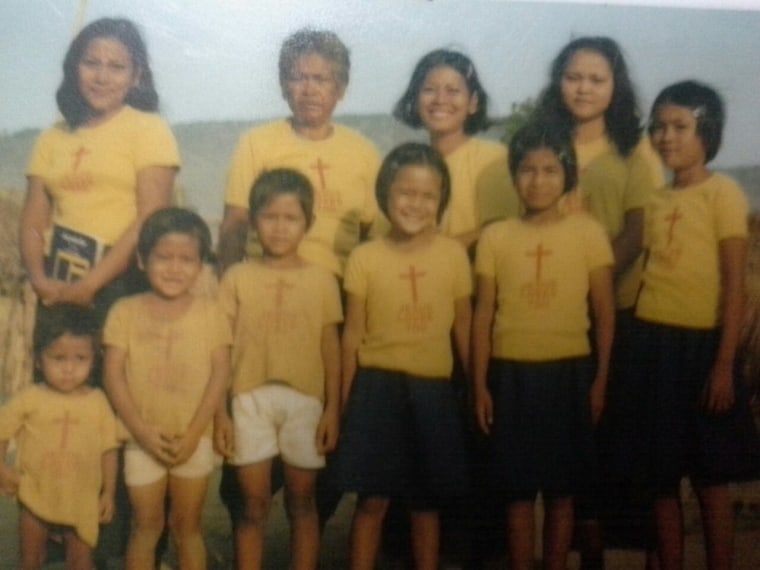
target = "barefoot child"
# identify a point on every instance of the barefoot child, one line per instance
(408, 295)
(66, 437)
(537, 390)
(284, 313)
(167, 369)
(695, 420)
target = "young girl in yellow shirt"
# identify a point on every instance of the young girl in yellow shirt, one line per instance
(538, 390)
(408, 295)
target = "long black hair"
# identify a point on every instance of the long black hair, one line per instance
(142, 96)
(622, 118)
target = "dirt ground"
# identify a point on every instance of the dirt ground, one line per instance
(335, 540)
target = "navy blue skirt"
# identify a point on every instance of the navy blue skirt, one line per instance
(402, 436)
(542, 433)
(657, 429)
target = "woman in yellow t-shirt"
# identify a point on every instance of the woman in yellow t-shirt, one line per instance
(591, 93)
(95, 176)
(446, 98)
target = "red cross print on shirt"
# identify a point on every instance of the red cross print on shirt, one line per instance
(280, 286)
(66, 422)
(320, 167)
(673, 217)
(163, 375)
(539, 254)
(279, 291)
(78, 156)
(412, 276)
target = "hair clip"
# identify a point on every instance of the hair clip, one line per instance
(699, 112)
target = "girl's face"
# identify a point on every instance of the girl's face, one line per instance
(540, 181)
(587, 86)
(414, 198)
(311, 90)
(173, 265)
(444, 102)
(106, 75)
(675, 137)
(66, 363)
(281, 225)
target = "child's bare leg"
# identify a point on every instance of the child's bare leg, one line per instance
(78, 552)
(425, 539)
(668, 518)
(521, 534)
(187, 496)
(366, 531)
(257, 497)
(147, 523)
(33, 535)
(558, 532)
(718, 523)
(301, 506)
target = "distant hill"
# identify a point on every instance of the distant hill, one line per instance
(207, 147)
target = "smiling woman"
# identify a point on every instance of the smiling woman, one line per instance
(94, 178)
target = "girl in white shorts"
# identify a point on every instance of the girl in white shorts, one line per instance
(167, 368)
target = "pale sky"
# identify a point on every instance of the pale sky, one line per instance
(217, 59)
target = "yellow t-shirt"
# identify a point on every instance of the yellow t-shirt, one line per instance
(609, 185)
(61, 440)
(471, 166)
(168, 361)
(409, 304)
(91, 172)
(342, 170)
(683, 228)
(277, 318)
(542, 283)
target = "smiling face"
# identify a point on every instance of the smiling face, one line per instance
(587, 86)
(444, 102)
(106, 75)
(540, 182)
(66, 363)
(173, 265)
(281, 225)
(312, 91)
(414, 199)
(676, 139)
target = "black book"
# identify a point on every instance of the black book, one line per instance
(72, 254)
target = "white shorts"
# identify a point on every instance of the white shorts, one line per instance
(275, 419)
(141, 468)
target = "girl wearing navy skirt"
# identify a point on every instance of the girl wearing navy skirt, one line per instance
(537, 389)
(695, 419)
(408, 296)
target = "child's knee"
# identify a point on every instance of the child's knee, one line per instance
(184, 524)
(149, 524)
(256, 510)
(300, 504)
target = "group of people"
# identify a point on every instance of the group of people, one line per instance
(596, 353)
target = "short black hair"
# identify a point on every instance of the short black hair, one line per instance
(411, 154)
(705, 103)
(59, 320)
(173, 220)
(406, 109)
(538, 134)
(277, 182)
